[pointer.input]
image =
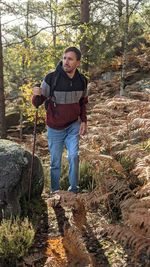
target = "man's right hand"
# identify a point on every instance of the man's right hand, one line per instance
(36, 90)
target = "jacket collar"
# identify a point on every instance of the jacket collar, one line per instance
(59, 68)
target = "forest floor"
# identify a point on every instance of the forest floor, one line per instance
(109, 226)
(68, 235)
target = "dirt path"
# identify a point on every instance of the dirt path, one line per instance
(69, 235)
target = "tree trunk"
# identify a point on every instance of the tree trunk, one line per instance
(84, 17)
(2, 97)
(53, 14)
(120, 8)
(27, 20)
(24, 61)
(124, 63)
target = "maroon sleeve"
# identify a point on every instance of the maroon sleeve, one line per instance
(83, 102)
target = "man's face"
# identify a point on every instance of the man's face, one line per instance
(70, 62)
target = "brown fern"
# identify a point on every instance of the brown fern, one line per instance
(75, 246)
(79, 214)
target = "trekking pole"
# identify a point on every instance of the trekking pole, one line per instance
(33, 151)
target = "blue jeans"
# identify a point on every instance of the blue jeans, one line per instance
(57, 140)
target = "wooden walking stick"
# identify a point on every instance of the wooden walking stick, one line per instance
(33, 152)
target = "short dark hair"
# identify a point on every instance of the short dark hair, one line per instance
(75, 50)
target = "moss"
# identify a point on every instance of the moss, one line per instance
(13, 149)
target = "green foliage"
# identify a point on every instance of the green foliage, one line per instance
(127, 163)
(64, 182)
(46, 177)
(86, 176)
(31, 50)
(27, 108)
(145, 15)
(16, 237)
(145, 145)
(40, 54)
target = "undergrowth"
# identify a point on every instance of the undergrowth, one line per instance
(86, 176)
(16, 237)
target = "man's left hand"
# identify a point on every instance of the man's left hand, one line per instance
(83, 128)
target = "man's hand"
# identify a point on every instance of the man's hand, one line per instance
(36, 90)
(83, 128)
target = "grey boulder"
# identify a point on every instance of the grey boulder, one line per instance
(15, 165)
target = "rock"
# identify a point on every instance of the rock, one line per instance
(107, 76)
(12, 119)
(15, 164)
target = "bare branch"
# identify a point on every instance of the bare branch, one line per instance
(49, 27)
(134, 8)
(7, 22)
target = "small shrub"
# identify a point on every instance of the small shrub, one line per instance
(46, 177)
(146, 145)
(127, 163)
(86, 174)
(26, 106)
(16, 237)
(64, 181)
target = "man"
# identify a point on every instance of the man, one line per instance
(65, 94)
